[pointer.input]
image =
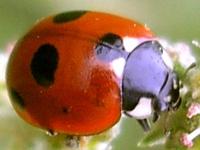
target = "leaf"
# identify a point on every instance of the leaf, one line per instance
(156, 137)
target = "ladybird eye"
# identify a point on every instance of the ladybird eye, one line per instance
(44, 64)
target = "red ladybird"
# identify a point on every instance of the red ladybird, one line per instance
(59, 77)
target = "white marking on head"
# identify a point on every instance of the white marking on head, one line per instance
(117, 66)
(143, 109)
(130, 43)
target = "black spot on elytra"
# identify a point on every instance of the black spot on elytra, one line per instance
(65, 110)
(68, 16)
(16, 98)
(44, 64)
(110, 47)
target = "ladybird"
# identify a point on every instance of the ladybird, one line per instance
(76, 72)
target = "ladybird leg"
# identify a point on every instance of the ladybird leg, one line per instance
(145, 124)
(155, 116)
(177, 105)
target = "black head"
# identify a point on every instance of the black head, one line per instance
(147, 75)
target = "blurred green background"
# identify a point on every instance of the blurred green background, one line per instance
(174, 20)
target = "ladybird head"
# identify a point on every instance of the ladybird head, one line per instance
(147, 76)
(148, 84)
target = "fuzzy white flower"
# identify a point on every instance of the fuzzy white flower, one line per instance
(179, 51)
(187, 138)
